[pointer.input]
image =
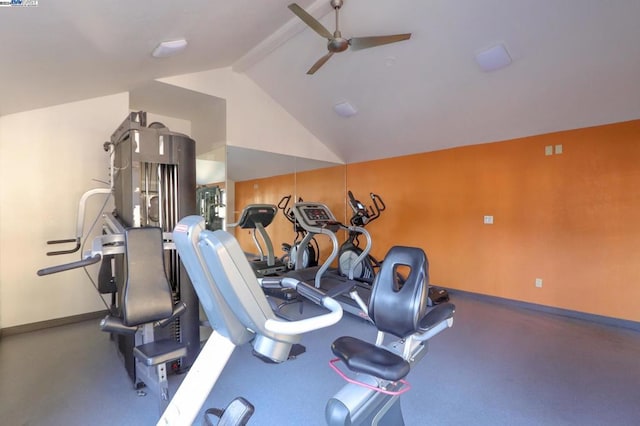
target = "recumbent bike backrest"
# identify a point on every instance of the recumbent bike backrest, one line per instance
(397, 303)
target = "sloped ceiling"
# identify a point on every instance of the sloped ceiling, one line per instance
(68, 50)
(575, 63)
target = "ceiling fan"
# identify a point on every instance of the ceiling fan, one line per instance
(337, 43)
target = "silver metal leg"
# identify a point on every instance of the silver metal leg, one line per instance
(197, 384)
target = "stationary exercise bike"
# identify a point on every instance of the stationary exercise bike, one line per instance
(232, 298)
(350, 250)
(233, 301)
(311, 251)
(376, 376)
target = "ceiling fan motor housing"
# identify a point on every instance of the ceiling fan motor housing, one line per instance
(337, 43)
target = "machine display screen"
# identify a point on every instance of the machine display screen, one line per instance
(316, 214)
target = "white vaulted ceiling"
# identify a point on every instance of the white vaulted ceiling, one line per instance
(576, 63)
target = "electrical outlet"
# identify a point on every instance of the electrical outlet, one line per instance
(488, 220)
(548, 150)
(539, 282)
(558, 149)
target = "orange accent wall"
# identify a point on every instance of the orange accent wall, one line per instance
(570, 219)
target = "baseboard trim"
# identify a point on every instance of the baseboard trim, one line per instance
(600, 319)
(41, 325)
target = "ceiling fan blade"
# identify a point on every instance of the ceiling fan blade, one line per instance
(310, 20)
(358, 43)
(320, 62)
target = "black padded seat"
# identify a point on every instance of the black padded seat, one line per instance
(159, 352)
(364, 357)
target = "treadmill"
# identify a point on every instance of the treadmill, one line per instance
(353, 295)
(257, 217)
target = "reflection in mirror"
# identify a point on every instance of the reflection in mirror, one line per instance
(327, 186)
(211, 188)
(260, 177)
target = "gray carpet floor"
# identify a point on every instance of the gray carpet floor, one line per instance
(498, 365)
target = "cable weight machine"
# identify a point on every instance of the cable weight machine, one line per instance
(154, 186)
(154, 312)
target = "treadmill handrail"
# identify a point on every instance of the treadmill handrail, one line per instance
(308, 324)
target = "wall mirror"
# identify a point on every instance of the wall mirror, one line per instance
(261, 177)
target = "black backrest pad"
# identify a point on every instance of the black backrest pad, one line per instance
(397, 308)
(146, 295)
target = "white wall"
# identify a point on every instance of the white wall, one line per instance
(48, 159)
(254, 119)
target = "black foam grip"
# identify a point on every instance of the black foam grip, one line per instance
(178, 309)
(310, 292)
(67, 266)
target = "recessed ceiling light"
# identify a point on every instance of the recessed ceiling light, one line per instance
(345, 109)
(169, 48)
(494, 58)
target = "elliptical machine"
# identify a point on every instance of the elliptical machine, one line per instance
(350, 250)
(311, 251)
(366, 269)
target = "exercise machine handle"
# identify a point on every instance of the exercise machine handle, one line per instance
(308, 324)
(79, 222)
(379, 207)
(286, 210)
(309, 292)
(352, 198)
(178, 309)
(68, 266)
(284, 202)
(68, 240)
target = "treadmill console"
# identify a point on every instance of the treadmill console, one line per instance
(257, 213)
(313, 215)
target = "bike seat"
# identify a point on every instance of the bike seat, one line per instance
(364, 357)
